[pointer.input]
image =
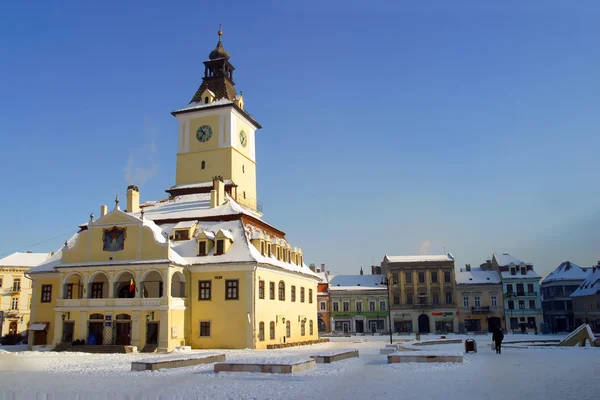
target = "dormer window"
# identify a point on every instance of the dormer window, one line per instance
(262, 247)
(220, 247)
(182, 234)
(277, 252)
(523, 270)
(513, 271)
(206, 100)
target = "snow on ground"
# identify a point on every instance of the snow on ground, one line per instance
(537, 373)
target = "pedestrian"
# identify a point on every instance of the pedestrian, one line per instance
(497, 338)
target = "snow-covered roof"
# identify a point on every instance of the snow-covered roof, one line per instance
(190, 206)
(24, 259)
(185, 224)
(505, 260)
(529, 275)
(590, 286)
(356, 282)
(227, 233)
(198, 105)
(227, 182)
(443, 257)
(324, 276)
(567, 271)
(477, 276)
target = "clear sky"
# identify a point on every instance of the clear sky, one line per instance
(389, 127)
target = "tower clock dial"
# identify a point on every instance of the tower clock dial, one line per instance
(204, 133)
(243, 138)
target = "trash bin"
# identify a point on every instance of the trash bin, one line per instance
(470, 346)
(92, 338)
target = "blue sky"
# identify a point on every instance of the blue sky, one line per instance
(389, 127)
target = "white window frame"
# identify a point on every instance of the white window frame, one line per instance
(494, 301)
(477, 301)
(336, 306)
(372, 305)
(384, 305)
(323, 306)
(465, 301)
(358, 306)
(345, 306)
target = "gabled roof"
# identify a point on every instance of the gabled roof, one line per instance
(505, 260)
(477, 276)
(27, 260)
(567, 271)
(427, 258)
(590, 286)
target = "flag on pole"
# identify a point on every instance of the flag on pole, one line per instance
(131, 285)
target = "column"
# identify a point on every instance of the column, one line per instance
(111, 284)
(138, 289)
(61, 287)
(415, 279)
(135, 328)
(81, 326)
(163, 335)
(58, 328)
(86, 286)
(440, 273)
(428, 285)
(401, 278)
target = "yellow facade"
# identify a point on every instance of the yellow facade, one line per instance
(15, 295)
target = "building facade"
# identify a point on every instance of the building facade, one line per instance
(323, 300)
(358, 304)
(198, 268)
(15, 291)
(521, 287)
(422, 292)
(586, 300)
(480, 300)
(557, 288)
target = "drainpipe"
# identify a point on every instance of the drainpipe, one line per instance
(254, 306)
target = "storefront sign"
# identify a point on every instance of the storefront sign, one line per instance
(437, 314)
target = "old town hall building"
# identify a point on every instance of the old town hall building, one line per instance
(200, 267)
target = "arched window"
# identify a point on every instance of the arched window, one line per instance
(203, 164)
(281, 291)
(13, 328)
(96, 316)
(288, 329)
(261, 331)
(206, 100)
(310, 327)
(272, 330)
(303, 328)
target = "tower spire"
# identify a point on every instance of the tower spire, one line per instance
(220, 32)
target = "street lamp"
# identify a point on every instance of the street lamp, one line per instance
(389, 282)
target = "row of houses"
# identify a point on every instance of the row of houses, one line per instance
(427, 294)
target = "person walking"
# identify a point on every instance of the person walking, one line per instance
(497, 338)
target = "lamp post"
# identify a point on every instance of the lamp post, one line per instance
(389, 282)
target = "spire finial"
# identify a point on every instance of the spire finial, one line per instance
(117, 202)
(220, 32)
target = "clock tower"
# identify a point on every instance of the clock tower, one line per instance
(217, 135)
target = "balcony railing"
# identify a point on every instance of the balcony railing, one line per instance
(480, 310)
(15, 289)
(520, 294)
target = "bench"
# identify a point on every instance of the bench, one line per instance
(327, 358)
(288, 368)
(424, 357)
(177, 361)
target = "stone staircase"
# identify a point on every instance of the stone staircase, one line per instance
(149, 348)
(91, 348)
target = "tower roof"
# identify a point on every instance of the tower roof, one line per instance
(219, 51)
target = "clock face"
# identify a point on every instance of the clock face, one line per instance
(243, 138)
(204, 133)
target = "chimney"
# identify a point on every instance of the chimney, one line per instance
(468, 267)
(219, 188)
(133, 199)
(312, 267)
(213, 198)
(103, 210)
(322, 267)
(361, 271)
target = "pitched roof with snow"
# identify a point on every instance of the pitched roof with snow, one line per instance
(505, 260)
(528, 275)
(477, 276)
(567, 271)
(443, 257)
(24, 259)
(356, 282)
(590, 286)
